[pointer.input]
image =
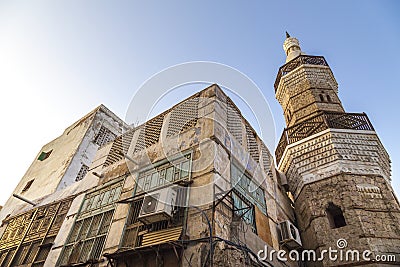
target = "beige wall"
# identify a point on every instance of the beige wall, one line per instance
(74, 147)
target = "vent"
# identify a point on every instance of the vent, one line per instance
(234, 121)
(27, 185)
(152, 130)
(127, 140)
(266, 158)
(82, 172)
(44, 155)
(121, 145)
(149, 133)
(183, 117)
(140, 144)
(252, 145)
(115, 152)
(104, 136)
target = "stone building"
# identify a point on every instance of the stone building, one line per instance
(192, 186)
(196, 186)
(336, 167)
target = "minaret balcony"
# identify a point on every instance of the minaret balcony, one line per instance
(296, 62)
(318, 123)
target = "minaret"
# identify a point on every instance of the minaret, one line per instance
(313, 89)
(336, 167)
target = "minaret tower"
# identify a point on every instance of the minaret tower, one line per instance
(336, 167)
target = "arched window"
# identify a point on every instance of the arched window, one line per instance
(321, 97)
(328, 98)
(335, 216)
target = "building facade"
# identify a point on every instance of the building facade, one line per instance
(196, 186)
(193, 186)
(66, 159)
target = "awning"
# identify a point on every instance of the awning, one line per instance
(163, 239)
(163, 236)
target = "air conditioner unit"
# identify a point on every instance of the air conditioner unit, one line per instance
(290, 235)
(157, 205)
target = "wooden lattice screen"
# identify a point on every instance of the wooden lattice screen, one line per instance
(87, 237)
(28, 237)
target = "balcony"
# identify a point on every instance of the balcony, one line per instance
(294, 63)
(319, 123)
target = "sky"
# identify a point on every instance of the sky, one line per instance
(61, 59)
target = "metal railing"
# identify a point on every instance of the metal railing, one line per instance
(319, 123)
(294, 63)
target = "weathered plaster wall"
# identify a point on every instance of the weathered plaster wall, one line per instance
(87, 148)
(74, 147)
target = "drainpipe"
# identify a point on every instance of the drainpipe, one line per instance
(24, 199)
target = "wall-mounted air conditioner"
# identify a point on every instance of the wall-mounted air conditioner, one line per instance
(290, 235)
(157, 205)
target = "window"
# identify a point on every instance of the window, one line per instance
(247, 188)
(335, 216)
(164, 174)
(328, 98)
(26, 253)
(44, 155)
(88, 235)
(6, 256)
(104, 136)
(82, 172)
(321, 97)
(27, 186)
(244, 209)
(28, 237)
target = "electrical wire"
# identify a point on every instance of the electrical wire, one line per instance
(233, 244)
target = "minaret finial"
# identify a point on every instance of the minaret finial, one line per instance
(292, 47)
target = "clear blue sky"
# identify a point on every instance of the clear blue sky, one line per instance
(60, 59)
